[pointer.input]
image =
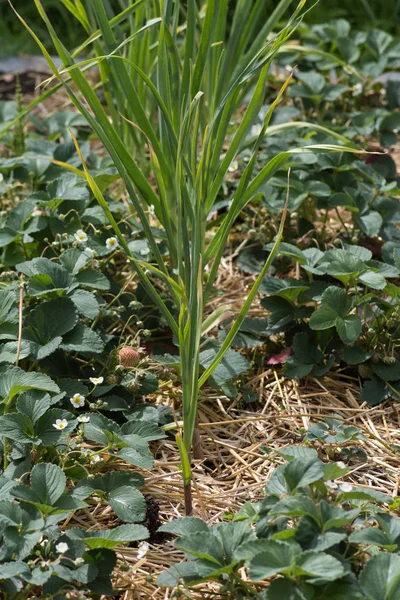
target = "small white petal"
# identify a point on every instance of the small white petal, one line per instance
(62, 547)
(346, 487)
(233, 166)
(60, 424)
(143, 549)
(111, 243)
(332, 485)
(256, 130)
(80, 236)
(77, 400)
(83, 419)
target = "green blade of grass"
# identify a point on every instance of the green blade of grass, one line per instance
(246, 305)
(150, 289)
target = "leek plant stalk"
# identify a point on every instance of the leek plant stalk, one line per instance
(174, 76)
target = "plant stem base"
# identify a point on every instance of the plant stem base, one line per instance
(187, 489)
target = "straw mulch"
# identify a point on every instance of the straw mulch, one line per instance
(236, 469)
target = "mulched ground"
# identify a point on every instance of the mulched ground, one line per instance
(235, 468)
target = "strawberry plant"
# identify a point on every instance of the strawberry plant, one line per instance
(195, 153)
(336, 438)
(35, 552)
(310, 537)
(349, 321)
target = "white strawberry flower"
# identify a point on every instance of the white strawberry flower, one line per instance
(83, 419)
(96, 380)
(346, 487)
(331, 485)
(60, 424)
(62, 547)
(256, 130)
(95, 458)
(233, 166)
(37, 212)
(45, 564)
(80, 236)
(77, 400)
(112, 243)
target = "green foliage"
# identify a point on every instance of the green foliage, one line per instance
(172, 88)
(71, 293)
(354, 321)
(201, 81)
(30, 512)
(16, 38)
(334, 312)
(336, 437)
(30, 528)
(342, 305)
(321, 537)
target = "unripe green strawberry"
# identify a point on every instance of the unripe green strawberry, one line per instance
(389, 360)
(365, 371)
